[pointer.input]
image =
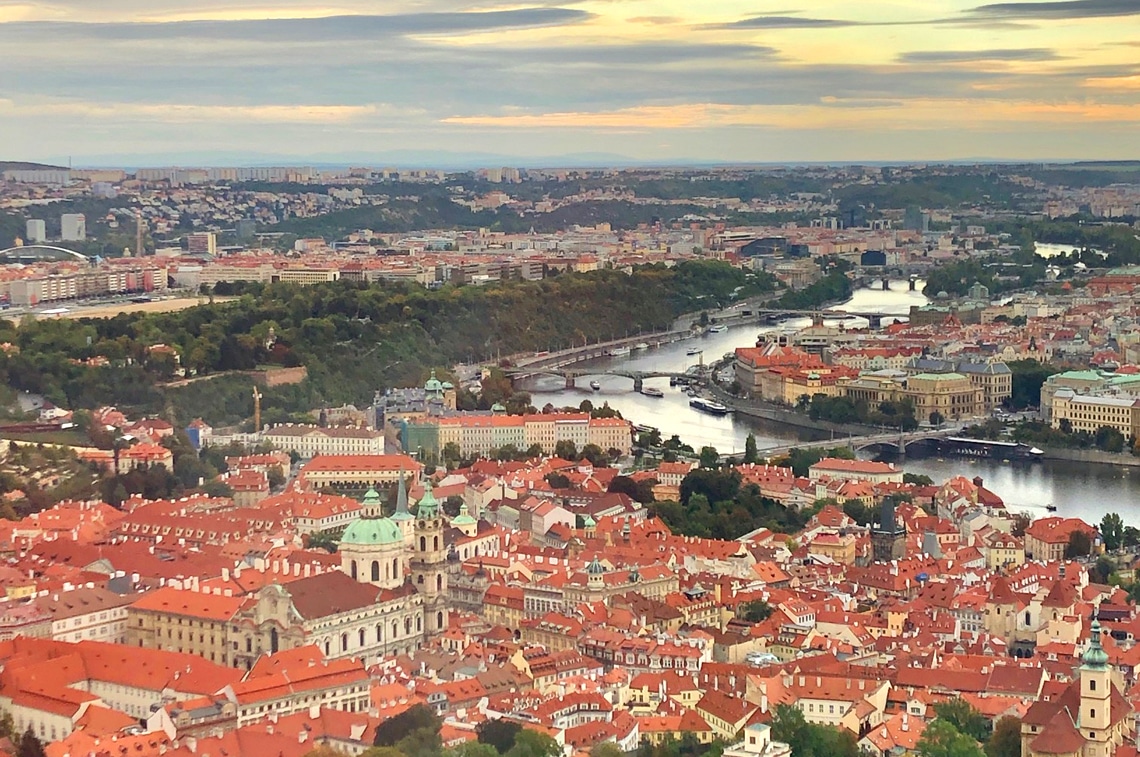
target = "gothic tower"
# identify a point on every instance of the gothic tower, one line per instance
(888, 536)
(429, 563)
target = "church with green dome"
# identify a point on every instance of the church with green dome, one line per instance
(373, 547)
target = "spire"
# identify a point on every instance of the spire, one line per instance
(1094, 658)
(401, 495)
(428, 506)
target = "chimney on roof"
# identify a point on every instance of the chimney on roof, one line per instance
(225, 574)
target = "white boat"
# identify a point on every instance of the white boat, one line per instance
(640, 346)
(694, 351)
(708, 406)
(650, 391)
(720, 328)
(595, 385)
(618, 352)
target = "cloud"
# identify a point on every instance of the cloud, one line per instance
(1034, 54)
(1064, 9)
(299, 30)
(191, 113)
(784, 22)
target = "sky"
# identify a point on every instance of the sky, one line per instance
(650, 80)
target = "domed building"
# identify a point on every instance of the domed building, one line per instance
(372, 548)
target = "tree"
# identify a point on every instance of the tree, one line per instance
(530, 743)
(942, 739)
(596, 455)
(755, 611)
(566, 450)
(498, 733)
(1102, 571)
(917, 479)
(809, 739)
(473, 749)
(1112, 531)
(557, 480)
(638, 491)
(710, 458)
(962, 715)
(750, 453)
(29, 745)
(1109, 439)
(937, 419)
(328, 751)
(395, 729)
(1080, 545)
(1006, 739)
(606, 749)
(276, 476)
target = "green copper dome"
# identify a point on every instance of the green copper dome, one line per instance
(464, 518)
(1094, 656)
(429, 505)
(433, 384)
(372, 532)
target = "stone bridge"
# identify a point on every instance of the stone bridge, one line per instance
(893, 441)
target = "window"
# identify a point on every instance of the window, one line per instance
(375, 570)
(1092, 684)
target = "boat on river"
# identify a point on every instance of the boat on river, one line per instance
(618, 352)
(708, 406)
(596, 385)
(651, 391)
(720, 328)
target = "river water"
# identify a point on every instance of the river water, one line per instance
(1076, 489)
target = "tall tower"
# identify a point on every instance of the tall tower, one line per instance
(402, 517)
(429, 563)
(888, 536)
(1095, 718)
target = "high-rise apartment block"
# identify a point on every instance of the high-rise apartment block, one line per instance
(36, 231)
(73, 227)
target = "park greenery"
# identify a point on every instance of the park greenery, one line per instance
(845, 410)
(716, 503)
(352, 338)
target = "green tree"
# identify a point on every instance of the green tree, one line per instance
(1005, 741)
(1080, 545)
(942, 739)
(755, 611)
(596, 455)
(810, 739)
(566, 450)
(395, 729)
(751, 454)
(473, 749)
(1112, 531)
(498, 733)
(29, 745)
(606, 749)
(530, 743)
(557, 480)
(964, 717)
(917, 479)
(937, 419)
(710, 458)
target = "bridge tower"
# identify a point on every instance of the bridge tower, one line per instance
(888, 535)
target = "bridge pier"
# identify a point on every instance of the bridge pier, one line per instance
(638, 384)
(913, 284)
(886, 283)
(875, 321)
(569, 382)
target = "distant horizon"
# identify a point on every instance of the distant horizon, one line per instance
(453, 163)
(656, 81)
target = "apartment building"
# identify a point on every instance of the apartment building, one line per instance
(86, 613)
(180, 620)
(297, 681)
(479, 434)
(1092, 412)
(308, 441)
(350, 472)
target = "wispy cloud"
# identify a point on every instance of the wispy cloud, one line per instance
(1062, 9)
(1032, 54)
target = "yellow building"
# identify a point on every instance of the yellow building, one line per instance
(176, 620)
(1090, 413)
(951, 395)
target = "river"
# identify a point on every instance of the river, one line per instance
(672, 414)
(1076, 489)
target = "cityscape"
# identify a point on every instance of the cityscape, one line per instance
(593, 379)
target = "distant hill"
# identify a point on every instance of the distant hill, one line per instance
(21, 165)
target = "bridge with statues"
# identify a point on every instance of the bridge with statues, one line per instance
(888, 441)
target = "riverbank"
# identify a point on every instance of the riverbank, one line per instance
(1091, 456)
(777, 413)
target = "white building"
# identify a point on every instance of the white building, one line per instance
(73, 227)
(36, 231)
